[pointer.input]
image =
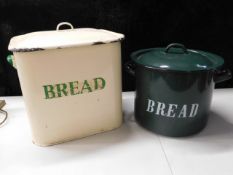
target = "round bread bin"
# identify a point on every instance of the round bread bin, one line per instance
(70, 80)
(174, 87)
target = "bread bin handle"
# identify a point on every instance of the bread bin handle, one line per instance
(11, 60)
(130, 67)
(222, 75)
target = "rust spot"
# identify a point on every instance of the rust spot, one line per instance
(27, 50)
(114, 41)
(102, 130)
(98, 42)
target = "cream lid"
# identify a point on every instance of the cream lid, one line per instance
(58, 39)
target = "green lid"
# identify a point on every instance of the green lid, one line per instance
(176, 57)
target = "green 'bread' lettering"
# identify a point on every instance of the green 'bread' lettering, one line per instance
(73, 88)
(86, 86)
(49, 91)
(61, 89)
(99, 83)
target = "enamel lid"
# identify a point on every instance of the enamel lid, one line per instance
(57, 39)
(176, 57)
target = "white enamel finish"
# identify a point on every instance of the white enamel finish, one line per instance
(69, 117)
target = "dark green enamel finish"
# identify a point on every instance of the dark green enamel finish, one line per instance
(177, 59)
(173, 87)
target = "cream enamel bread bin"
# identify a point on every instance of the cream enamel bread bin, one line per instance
(71, 82)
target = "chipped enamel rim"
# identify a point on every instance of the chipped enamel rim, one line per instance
(38, 41)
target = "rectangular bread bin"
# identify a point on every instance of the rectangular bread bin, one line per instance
(71, 82)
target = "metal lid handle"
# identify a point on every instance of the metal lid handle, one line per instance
(63, 24)
(176, 45)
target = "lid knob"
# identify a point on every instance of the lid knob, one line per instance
(64, 24)
(176, 45)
